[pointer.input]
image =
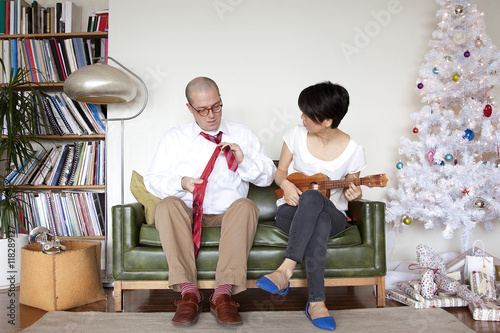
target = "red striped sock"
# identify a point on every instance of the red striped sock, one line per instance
(190, 288)
(223, 289)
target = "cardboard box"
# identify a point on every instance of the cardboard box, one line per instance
(61, 281)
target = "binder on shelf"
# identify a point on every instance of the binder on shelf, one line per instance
(50, 115)
(72, 123)
(54, 179)
(74, 163)
(54, 163)
(76, 114)
(68, 164)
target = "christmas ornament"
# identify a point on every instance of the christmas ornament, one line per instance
(465, 191)
(459, 10)
(460, 38)
(430, 156)
(469, 135)
(400, 165)
(487, 111)
(455, 77)
(466, 54)
(420, 85)
(497, 163)
(407, 220)
(448, 157)
(415, 130)
(479, 42)
(435, 70)
(447, 58)
(479, 203)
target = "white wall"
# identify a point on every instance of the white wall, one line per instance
(263, 53)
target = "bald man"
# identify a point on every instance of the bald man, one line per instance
(187, 168)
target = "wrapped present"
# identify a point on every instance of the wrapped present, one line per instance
(487, 311)
(433, 276)
(427, 258)
(467, 295)
(412, 289)
(483, 285)
(428, 287)
(436, 302)
(446, 283)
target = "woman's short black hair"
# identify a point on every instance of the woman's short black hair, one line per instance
(323, 101)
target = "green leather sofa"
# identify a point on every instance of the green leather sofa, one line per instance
(355, 257)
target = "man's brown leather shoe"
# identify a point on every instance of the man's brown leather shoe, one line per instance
(188, 309)
(225, 310)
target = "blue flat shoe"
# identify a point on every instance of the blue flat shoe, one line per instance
(326, 323)
(268, 285)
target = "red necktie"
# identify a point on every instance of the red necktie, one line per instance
(199, 190)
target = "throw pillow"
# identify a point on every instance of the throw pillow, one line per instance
(141, 194)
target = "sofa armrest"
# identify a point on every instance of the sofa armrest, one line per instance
(369, 216)
(127, 222)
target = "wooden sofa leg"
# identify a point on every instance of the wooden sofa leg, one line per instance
(381, 291)
(118, 296)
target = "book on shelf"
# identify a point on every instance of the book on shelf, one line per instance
(19, 17)
(51, 59)
(98, 21)
(60, 115)
(72, 17)
(73, 214)
(72, 164)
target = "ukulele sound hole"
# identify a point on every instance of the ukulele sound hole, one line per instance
(313, 186)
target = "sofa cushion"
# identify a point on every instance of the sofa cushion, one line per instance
(267, 235)
(141, 194)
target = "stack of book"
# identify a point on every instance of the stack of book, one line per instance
(60, 115)
(19, 17)
(99, 21)
(74, 164)
(64, 214)
(50, 60)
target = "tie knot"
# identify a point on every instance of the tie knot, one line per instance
(214, 138)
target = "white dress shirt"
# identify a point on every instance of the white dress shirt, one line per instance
(183, 152)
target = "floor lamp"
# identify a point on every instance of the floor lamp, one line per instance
(101, 83)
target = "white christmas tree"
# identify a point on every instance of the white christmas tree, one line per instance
(449, 175)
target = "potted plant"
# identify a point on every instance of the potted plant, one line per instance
(18, 122)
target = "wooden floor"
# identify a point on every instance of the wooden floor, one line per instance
(251, 300)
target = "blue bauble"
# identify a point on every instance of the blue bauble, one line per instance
(435, 70)
(448, 157)
(400, 165)
(469, 135)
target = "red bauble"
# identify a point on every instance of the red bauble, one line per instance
(487, 111)
(415, 130)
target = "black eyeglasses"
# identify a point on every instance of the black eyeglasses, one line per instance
(217, 107)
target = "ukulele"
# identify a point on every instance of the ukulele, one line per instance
(321, 182)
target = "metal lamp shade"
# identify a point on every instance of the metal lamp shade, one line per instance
(100, 84)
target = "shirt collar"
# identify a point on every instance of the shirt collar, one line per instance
(197, 129)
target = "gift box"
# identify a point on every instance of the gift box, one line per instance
(411, 289)
(487, 311)
(64, 280)
(436, 302)
(483, 285)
